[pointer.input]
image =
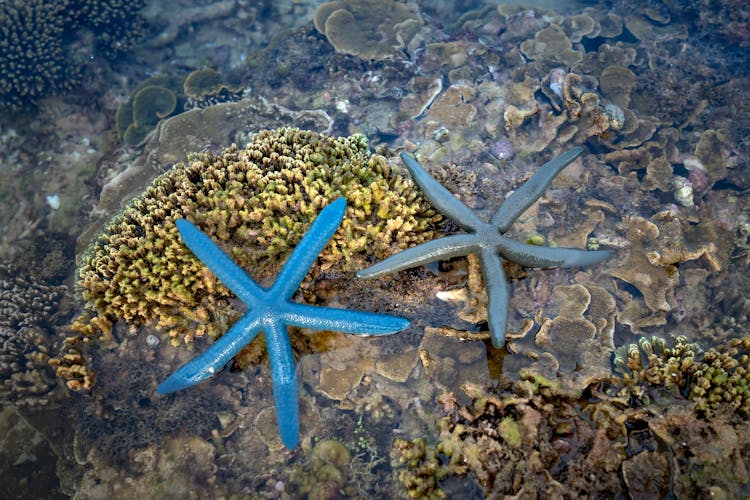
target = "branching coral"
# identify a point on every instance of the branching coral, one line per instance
(116, 24)
(26, 306)
(33, 54)
(663, 367)
(719, 378)
(259, 201)
(36, 37)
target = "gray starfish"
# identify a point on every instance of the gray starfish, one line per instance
(487, 239)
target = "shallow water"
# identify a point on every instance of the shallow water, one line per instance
(589, 397)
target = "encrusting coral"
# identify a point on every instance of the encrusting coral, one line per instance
(258, 201)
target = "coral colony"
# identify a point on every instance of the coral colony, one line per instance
(271, 311)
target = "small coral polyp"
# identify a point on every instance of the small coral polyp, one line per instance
(257, 202)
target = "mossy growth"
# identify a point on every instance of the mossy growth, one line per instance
(256, 202)
(325, 474)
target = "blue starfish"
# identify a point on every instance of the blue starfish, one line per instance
(271, 311)
(487, 239)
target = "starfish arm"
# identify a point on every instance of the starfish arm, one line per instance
(537, 256)
(213, 257)
(284, 377)
(441, 198)
(443, 248)
(523, 197)
(215, 357)
(308, 249)
(498, 296)
(342, 320)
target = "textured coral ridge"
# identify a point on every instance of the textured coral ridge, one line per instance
(257, 203)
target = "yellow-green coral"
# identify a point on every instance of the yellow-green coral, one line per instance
(670, 368)
(422, 469)
(723, 378)
(720, 377)
(257, 203)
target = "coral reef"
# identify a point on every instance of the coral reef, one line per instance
(258, 200)
(530, 439)
(481, 94)
(35, 59)
(27, 305)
